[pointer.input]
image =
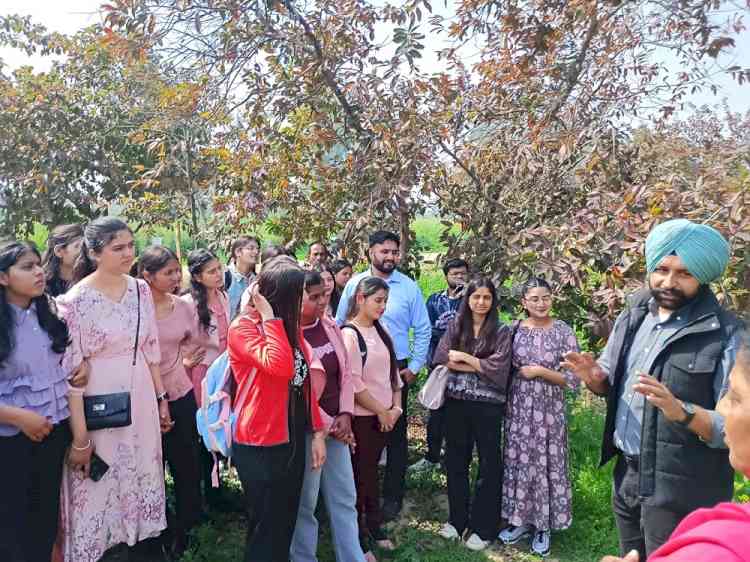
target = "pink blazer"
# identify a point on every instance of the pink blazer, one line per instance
(318, 374)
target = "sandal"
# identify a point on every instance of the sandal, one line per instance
(381, 540)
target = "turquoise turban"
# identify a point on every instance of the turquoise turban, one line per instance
(702, 249)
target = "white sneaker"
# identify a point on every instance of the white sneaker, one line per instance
(449, 532)
(475, 543)
(424, 466)
(541, 543)
(513, 534)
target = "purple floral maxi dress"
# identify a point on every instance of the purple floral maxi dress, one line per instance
(536, 485)
(128, 504)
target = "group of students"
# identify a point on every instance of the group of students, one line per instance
(322, 364)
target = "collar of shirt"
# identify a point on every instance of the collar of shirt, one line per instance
(394, 277)
(234, 271)
(311, 326)
(680, 315)
(21, 314)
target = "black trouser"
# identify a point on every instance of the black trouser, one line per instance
(469, 422)
(30, 479)
(272, 481)
(435, 434)
(640, 527)
(397, 449)
(181, 453)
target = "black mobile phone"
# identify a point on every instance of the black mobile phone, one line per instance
(97, 468)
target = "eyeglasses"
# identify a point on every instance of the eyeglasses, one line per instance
(544, 299)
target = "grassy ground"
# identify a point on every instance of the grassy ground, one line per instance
(426, 509)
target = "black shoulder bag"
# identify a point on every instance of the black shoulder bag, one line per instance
(104, 411)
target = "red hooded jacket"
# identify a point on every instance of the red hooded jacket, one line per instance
(259, 352)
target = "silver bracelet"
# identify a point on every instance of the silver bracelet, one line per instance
(82, 448)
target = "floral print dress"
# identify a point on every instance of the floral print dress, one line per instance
(128, 504)
(536, 485)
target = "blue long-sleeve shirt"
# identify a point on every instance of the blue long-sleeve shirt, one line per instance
(405, 310)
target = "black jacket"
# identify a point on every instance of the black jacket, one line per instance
(677, 470)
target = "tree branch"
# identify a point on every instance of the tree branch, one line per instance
(328, 76)
(461, 164)
(575, 70)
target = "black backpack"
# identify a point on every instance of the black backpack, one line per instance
(360, 341)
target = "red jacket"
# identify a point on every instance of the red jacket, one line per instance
(260, 352)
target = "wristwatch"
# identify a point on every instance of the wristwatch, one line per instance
(161, 397)
(689, 410)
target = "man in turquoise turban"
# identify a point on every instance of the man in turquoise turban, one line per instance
(663, 370)
(702, 249)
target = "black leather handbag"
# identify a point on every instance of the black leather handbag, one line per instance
(104, 411)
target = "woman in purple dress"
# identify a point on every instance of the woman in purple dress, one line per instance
(536, 487)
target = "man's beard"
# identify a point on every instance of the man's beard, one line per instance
(670, 299)
(383, 266)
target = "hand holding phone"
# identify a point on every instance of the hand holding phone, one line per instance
(98, 468)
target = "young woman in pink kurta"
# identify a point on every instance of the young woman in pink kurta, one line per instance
(128, 504)
(177, 323)
(211, 306)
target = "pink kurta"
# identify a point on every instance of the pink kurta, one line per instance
(214, 341)
(128, 504)
(178, 331)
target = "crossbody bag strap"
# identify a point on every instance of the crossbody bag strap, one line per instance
(138, 324)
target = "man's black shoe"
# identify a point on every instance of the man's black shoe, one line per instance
(391, 509)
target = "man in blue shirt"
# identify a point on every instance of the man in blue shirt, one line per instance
(442, 307)
(405, 311)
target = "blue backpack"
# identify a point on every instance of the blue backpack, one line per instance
(215, 417)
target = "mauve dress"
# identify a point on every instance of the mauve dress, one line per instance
(128, 504)
(536, 485)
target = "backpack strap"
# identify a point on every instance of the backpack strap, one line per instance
(227, 279)
(360, 342)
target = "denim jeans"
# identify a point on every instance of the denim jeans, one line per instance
(336, 481)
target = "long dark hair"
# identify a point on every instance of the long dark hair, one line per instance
(282, 281)
(334, 267)
(10, 253)
(197, 260)
(154, 259)
(61, 235)
(463, 338)
(367, 287)
(96, 235)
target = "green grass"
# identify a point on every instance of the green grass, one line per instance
(591, 536)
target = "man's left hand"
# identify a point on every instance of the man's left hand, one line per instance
(407, 376)
(660, 396)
